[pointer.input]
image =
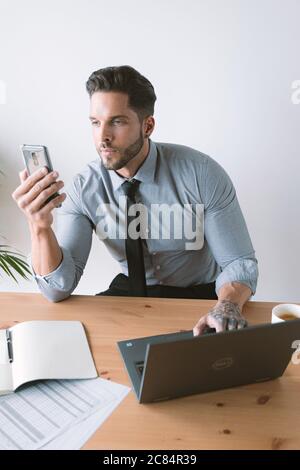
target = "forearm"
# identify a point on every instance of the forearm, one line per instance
(46, 254)
(235, 292)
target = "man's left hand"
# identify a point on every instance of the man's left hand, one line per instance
(226, 315)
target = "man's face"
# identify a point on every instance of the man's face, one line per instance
(117, 132)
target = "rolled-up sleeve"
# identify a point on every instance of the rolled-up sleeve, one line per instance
(74, 235)
(226, 231)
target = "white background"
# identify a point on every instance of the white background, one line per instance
(223, 73)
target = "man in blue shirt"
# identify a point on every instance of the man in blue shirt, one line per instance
(195, 242)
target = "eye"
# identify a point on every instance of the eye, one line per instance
(95, 123)
(117, 121)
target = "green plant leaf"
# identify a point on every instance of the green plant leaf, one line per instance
(12, 260)
(4, 250)
(23, 263)
(16, 262)
(5, 267)
(14, 255)
(10, 253)
(16, 265)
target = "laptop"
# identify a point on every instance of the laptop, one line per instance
(174, 365)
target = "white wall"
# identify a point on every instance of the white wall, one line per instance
(223, 74)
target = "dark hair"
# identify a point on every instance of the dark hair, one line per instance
(125, 79)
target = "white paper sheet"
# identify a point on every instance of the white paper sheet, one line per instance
(51, 412)
(75, 437)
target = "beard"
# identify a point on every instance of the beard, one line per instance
(120, 158)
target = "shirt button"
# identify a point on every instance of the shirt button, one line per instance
(158, 267)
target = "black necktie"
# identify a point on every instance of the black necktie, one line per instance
(134, 248)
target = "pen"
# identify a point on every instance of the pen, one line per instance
(9, 345)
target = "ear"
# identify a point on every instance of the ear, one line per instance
(149, 126)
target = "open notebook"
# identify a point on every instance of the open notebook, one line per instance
(38, 350)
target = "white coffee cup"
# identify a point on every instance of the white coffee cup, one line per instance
(281, 312)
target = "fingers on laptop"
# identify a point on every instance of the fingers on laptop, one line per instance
(200, 327)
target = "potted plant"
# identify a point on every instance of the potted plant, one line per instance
(12, 262)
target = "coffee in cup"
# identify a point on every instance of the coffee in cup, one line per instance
(285, 312)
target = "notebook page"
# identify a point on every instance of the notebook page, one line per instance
(50, 350)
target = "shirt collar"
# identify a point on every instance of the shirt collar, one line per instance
(145, 173)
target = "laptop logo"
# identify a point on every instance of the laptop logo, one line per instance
(223, 363)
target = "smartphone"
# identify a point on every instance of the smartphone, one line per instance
(36, 157)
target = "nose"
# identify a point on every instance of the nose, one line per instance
(104, 134)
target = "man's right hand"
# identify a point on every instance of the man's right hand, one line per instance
(32, 193)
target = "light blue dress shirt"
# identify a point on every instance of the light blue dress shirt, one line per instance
(171, 174)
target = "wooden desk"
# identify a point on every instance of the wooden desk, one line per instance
(258, 416)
